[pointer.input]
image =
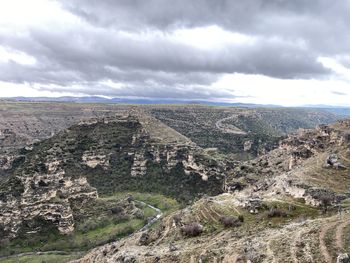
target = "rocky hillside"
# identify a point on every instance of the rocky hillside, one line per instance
(65, 188)
(291, 205)
(101, 157)
(242, 132)
(22, 124)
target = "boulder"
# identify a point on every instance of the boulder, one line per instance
(332, 161)
(343, 258)
(144, 239)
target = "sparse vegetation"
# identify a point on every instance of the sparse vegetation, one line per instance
(230, 221)
(276, 212)
(97, 224)
(49, 258)
(192, 230)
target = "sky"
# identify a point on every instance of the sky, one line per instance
(281, 52)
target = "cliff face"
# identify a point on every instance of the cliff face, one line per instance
(99, 156)
(311, 164)
(41, 197)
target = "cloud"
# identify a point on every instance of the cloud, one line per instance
(339, 93)
(154, 49)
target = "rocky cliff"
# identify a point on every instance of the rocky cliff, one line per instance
(273, 211)
(306, 165)
(100, 156)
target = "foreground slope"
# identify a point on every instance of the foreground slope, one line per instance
(290, 205)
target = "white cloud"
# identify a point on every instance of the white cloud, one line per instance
(71, 53)
(287, 92)
(337, 67)
(23, 14)
(8, 89)
(8, 55)
(267, 90)
(210, 37)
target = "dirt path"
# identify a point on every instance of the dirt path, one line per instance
(323, 248)
(294, 247)
(229, 128)
(339, 234)
(269, 253)
(299, 249)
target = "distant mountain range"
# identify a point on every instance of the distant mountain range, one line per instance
(144, 101)
(141, 101)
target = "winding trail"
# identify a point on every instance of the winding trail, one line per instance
(339, 234)
(229, 128)
(323, 247)
(269, 252)
(294, 247)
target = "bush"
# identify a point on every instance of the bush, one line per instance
(117, 210)
(326, 200)
(347, 137)
(177, 219)
(276, 212)
(230, 221)
(192, 230)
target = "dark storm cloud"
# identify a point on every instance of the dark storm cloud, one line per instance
(287, 38)
(87, 52)
(321, 23)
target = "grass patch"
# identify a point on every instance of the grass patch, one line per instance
(98, 228)
(286, 212)
(50, 258)
(78, 241)
(164, 203)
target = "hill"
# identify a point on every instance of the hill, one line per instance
(100, 157)
(139, 174)
(242, 132)
(291, 206)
